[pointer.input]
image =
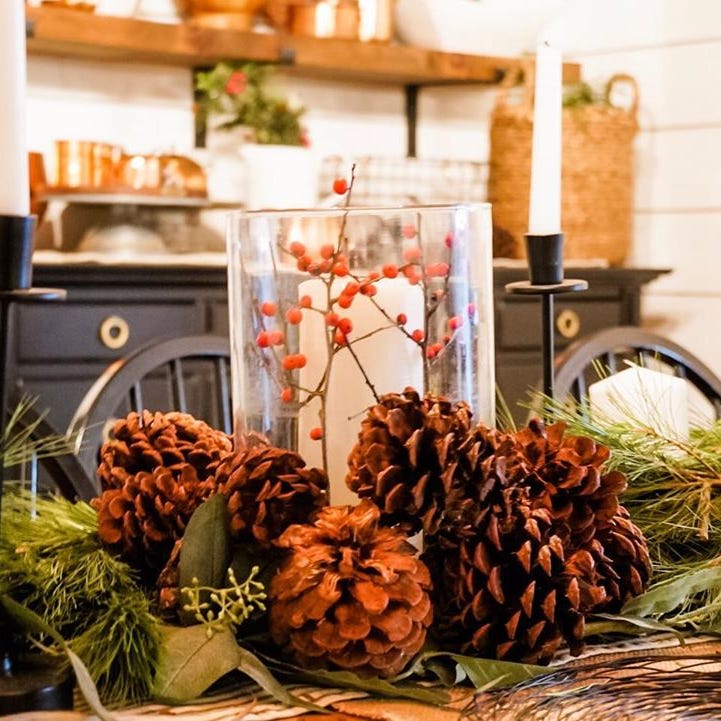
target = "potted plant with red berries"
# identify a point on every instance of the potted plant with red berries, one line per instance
(280, 170)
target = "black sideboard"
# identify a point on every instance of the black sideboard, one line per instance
(60, 349)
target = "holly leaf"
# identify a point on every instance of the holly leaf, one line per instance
(191, 660)
(206, 551)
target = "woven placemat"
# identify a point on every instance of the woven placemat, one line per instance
(657, 678)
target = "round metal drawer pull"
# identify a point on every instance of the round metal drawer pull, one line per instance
(114, 332)
(568, 323)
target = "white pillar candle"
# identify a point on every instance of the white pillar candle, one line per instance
(390, 359)
(14, 181)
(643, 397)
(545, 199)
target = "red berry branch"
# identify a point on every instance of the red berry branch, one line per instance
(330, 263)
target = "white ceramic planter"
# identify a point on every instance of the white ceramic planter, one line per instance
(476, 27)
(280, 176)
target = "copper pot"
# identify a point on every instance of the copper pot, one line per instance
(236, 14)
(172, 175)
(38, 184)
(325, 18)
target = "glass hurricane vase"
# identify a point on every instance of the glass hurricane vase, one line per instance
(331, 309)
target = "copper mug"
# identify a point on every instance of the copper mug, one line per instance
(84, 164)
(325, 18)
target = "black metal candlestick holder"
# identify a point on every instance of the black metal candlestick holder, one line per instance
(545, 270)
(27, 682)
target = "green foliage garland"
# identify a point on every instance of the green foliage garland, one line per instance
(51, 561)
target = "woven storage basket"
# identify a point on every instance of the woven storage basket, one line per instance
(597, 175)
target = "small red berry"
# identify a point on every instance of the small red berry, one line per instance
(409, 231)
(327, 251)
(390, 271)
(297, 248)
(316, 433)
(401, 319)
(304, 262)
(288, 362)
(269, 308)
(305, 301)
(340, 186)
(446, 339)
(431, 352)
(345, 326)
(300, 360)
(325, 266)
(345, 301)
(286, 395)
(276, 337)
(455, 322)
(369, 290)
(340, 338)
(351, 288)
(449, 240)
(414, 278)
(471, 309)
(314, 269)
(263, 340)
(340, 268)
(417, 335)
(374, 275)
(294, 316)
(331, 319)
(412, 254)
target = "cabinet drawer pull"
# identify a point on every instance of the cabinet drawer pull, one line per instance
(114, 332)
(568, 323)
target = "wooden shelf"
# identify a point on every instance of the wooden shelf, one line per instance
(68, 33)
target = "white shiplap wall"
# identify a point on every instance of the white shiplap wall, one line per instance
(672, 47)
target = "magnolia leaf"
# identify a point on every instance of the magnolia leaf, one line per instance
(191, 661)
(206, 551)
(32, 623)
(634, 625)
(486, 673)
(380, 687)
(483, 673)
(669, 595)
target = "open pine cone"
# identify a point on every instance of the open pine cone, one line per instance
(533, 541)
(351, 594)
(143, 442)
(400, 455)
(142, 520)
(268, 489)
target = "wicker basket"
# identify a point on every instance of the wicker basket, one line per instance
(597, 175)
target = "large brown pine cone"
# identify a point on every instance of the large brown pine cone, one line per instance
(142, 520)
(532, 542)
(268, 489)
(143, 442)
(400, 455)
(351, 594)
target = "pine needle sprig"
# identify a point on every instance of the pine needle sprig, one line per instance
(22, 442)
(51, 560)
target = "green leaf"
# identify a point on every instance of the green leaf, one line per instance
(669, 595)
(33, 623)
(190, 662)
(377, 686)
(633, 625)
(206, 551)
(253, 667)
(488, 673)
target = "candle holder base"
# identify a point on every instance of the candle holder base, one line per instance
(545, 258)
(547, 291)
(28, 681)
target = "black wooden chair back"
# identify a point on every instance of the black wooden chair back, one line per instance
(190, 374)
